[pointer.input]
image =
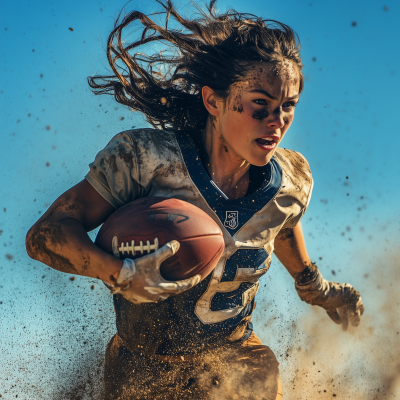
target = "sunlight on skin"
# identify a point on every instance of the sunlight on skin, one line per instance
(260, 106)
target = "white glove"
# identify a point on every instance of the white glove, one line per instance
(140, 281)
(341, 301)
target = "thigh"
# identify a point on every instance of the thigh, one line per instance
(247, 372)
(130, 376)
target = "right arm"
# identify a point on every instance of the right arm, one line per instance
(59, 238)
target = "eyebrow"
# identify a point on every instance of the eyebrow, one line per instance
(265, 93)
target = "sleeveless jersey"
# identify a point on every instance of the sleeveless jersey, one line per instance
(152, 162)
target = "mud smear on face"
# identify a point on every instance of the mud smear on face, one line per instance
(260, 115)
(238, 108)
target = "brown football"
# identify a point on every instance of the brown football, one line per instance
(144, 225)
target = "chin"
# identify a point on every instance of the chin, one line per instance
(261, 161)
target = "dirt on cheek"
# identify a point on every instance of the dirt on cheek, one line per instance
(260, 115)
(238, 108)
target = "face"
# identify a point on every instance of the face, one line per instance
(259, 111)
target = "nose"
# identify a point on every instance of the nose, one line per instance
(277, 121)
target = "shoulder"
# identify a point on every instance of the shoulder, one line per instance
(294, 166)
(146, 138)
(141, 145)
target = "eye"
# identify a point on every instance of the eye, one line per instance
(289, 104)
(261, 102)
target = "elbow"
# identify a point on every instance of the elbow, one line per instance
(29, 242)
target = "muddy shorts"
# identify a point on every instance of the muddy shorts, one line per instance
(247, 372)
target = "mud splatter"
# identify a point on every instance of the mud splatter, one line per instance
(260, 115)
(37, 245)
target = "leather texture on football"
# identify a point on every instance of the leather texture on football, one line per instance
(144, 225)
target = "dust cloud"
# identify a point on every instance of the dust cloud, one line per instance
(362, 364)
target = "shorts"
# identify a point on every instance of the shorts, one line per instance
(247, 371)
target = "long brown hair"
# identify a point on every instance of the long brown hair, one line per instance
(211, 50)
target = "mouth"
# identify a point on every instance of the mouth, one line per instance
(267, 143)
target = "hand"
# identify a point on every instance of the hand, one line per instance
(341, 301)
(140, 280)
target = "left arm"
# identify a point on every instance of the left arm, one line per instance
(342, 302)
(290, 248)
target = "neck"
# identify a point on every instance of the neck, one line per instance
(227, 169)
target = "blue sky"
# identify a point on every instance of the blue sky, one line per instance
(52, 127)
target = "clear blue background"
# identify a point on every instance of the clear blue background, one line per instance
(54, 331)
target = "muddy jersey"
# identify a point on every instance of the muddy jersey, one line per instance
(151, 162)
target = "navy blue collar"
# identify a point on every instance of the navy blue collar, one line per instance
(236, 212)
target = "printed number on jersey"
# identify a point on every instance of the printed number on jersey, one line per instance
(233, 285)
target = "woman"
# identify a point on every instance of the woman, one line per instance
(222, 103)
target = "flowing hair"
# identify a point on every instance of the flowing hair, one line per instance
(211, 50)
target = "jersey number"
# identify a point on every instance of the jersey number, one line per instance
(244, 266)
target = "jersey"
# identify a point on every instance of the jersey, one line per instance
(166, 163)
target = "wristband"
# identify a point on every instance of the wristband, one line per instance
(308, 275)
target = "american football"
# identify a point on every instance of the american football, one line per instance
(144, 225)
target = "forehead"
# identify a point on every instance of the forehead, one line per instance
(281, 79)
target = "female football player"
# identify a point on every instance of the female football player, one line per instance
(220, 98)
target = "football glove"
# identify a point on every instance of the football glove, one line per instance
(341, 301)
(140, 280)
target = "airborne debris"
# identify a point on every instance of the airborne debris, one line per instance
(71, 29)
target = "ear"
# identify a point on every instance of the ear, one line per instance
(211, 101)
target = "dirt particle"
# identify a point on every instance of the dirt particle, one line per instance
(122, 118)
(333, 272)
(385, 8)
(314, 59)
(48, 127)
(9, 257)
(72, 278)
(92, 287)
(71, 29)
(41, 75)
(354, 23)
(47, 164)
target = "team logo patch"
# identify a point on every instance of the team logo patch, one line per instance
(231, 219)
